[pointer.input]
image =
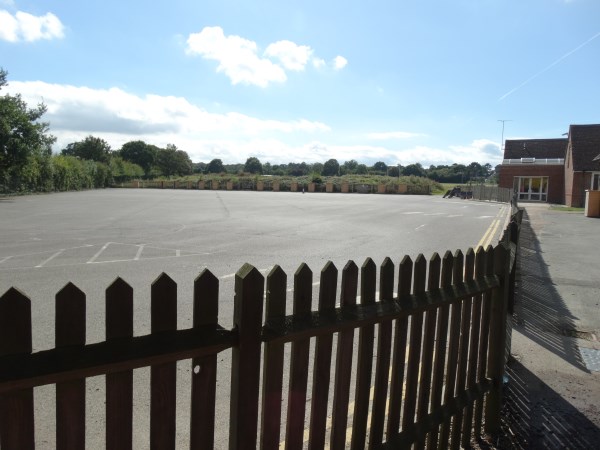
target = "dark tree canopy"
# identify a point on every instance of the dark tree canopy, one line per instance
(253, 165)
(172, 161)
(380, 166)
(92, 148)
(215, 166)
(330, 168)
(22, 135)
(140, 153)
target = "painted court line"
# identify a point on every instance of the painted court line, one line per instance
(51, 258)
(139, 252)
(5, 259)
(98, 253)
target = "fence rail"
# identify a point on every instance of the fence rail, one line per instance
(492, 193)
(439, 339)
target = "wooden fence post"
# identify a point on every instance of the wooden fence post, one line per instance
(343, 369)
(70, 395)
(163, 376)
(245, 359)
(322, 365)
(16, 408)
(270, 434)
(119, 386)
(204, 370)
(384, 345)
(368, 280)
(294, 432)
(497, 338)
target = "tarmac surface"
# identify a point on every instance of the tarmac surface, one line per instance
(553, 389)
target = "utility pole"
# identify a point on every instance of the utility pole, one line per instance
(502, 139)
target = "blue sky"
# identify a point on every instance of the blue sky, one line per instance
(400, 81)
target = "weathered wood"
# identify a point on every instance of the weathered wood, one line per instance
(437, 384)
(343, 369)
(399, 350)
(497, 336)
(70, 395)
(322, 366)
(451, 367)
(204, 369)
(119, 385)
(163, 377)
(384, 346)
(366, 338)
(433, 282)
(245, 359)
(414, 351)
(473, 347)
(483, 339)
(273, 364)
(294, 433)
(463, 352)
(16, 407)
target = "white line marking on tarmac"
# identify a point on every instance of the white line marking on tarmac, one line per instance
(98, 253)
(139, 252)
(51, 258)
(413, 212)
(5, 259)
(455, 215)
(420, 226)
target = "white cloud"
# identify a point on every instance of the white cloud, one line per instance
(237, 57)
(291, 55)
(118, 116)
(240, 61)
(392, 135)
(339, 62)
(27, 27)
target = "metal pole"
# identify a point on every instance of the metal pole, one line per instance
(502, 139)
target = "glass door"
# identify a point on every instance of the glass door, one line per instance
(533, 189)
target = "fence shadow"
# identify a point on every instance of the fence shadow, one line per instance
(535, 416)
(540, 313)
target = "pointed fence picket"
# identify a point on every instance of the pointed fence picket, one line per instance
(436, 382)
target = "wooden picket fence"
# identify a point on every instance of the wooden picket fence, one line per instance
(436, 382)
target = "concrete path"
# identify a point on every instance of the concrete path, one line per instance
(553, 393)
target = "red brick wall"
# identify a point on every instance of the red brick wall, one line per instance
(555, 174)
(575, 185)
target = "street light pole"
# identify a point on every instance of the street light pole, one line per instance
(502, 139)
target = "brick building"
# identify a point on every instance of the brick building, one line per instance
(554, 170)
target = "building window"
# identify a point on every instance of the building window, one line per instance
(534, 189)
(595, 181)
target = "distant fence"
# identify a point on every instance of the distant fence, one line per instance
(492, 193)
(280, 185)
(437, 376)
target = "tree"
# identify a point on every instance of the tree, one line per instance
(362, 169)
(330, 168)
(349, 167)
(215, 166)
(414, 169)
(92, 148)
(253, 165)
(140, 153)
(380, 166)
(393, 171)
(172, 161)
(22, 136)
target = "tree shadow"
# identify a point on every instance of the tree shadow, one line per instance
(535, 416)
(540, 313)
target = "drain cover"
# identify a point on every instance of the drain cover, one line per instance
(591, 358)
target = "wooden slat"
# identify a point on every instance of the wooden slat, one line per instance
(384, 346)
(366, 338)
(414, 351)
(497, 337)
(322, 367)
(294, 433)
(433, 282)
(483, 340)
(204, 370)
(245, 359)
(455, 324)
(437, 384)
(463, 351)
(163, 376)
(70, 395)
(343, 369)
(119, 385)
(399, 350)
(473, 347)
(16, 408)
(273, 364)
